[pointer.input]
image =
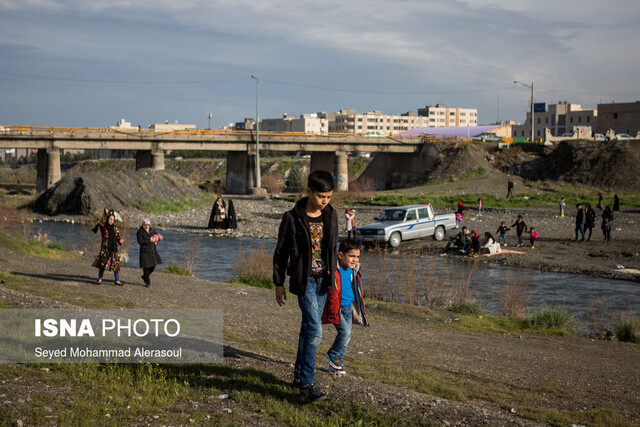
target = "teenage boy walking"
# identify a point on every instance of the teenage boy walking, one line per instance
(306, 251)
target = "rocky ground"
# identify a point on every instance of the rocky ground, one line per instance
(404, 363)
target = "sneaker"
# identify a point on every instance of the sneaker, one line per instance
(312, 393)
(532, 247)
(296, 383)
(334, 362)
(337, 371)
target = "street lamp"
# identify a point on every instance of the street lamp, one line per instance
(530, 87)
(209, 116)
(258, 182)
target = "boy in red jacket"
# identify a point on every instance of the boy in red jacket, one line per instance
(345, 303)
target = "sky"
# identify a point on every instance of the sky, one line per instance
(90, 63)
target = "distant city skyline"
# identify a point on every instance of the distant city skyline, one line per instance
(76, 63)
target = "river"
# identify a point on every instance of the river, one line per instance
(395, 275)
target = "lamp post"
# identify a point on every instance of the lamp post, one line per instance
(258, 182)
(530, 87)
(209, 116)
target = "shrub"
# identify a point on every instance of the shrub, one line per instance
(56, 245)
(253, 267)
(176, 269)
(554, 318)
(466, 308)
(296, 179)
(628, 328)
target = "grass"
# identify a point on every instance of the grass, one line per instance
(170, 395)
(160, 206)
(628, 328)
(591, 417)
(554, 319)
(37, 246)
(176, 269)
(466, 307)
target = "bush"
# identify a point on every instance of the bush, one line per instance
(176, 269)
(554, 318)
(296, 179)
(57, 246)
(253, 267)
(628, 328)
(466, 308)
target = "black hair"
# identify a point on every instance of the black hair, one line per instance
(347, 244)
(320, 181)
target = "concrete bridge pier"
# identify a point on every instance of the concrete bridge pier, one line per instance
(240, 172)
(48, 168)
(336, 163)
(150, 159)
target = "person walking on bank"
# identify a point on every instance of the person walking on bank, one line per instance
(521, 227)
(307, 238)
(579, 222)
(561, 205)
(589, 219)
(345, 303)
(616, 204)
(232, 220)
(606, 229)
(108, 257)
(148, 240)
(509, 189)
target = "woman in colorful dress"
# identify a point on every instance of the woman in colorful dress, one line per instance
(108, 256)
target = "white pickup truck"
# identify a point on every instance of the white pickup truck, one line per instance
(406, 223)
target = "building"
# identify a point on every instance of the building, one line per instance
(622, 118)
(560, 119)
(441, 116)
(308, 123)
(170, 127)
(348, 121)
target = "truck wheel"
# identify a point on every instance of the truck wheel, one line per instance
(395, 239)
(439, 233)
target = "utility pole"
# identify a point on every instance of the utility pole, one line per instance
(258, 179)
(532, 101)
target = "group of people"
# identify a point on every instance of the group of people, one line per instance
(328, 284)
(469, 242)
(222, 217)
(109, 257)
(586, 218)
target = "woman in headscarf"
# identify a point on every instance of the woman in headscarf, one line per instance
(231, 217)
(149, 257)
(108, 256)
(218, 214)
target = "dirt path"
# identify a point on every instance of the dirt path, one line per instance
(405, 362)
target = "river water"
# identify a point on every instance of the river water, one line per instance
(390, 275)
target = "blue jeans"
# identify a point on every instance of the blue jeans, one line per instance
(580, 229)
(339, 347)
(502, 239)
(520, 238)
(115, 274)
(311, 305)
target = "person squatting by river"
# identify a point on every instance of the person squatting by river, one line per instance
(307, 238)
(108, 257)
(148, 240)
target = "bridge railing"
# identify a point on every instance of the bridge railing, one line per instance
(52, 130)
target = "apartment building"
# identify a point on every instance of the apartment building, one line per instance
(622, 117)
(559, 118)
(348, 121)
(442, 116)
(308, 123)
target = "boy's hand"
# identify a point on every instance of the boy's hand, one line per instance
(281, 295)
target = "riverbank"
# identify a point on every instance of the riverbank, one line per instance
(555, 249)
(412, 366)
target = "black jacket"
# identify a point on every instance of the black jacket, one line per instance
(590, 218)
(580, 217)
(148, 254)
(293, 254)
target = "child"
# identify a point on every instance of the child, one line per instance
(561, 205)
(479, 205)
(459, 214)
(344, 303)
(502, 230)
(305, 250)
(532, 236)
(350, 216)
(520, 227)
(606, 229)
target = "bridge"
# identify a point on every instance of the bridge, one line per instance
(328, 151)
